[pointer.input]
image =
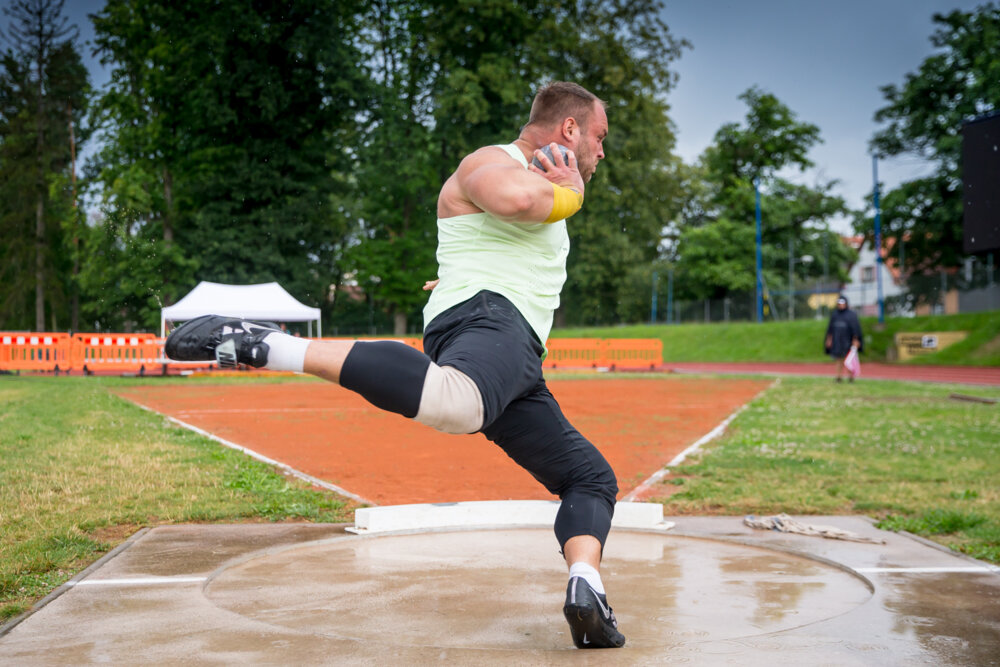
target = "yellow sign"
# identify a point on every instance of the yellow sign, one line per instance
(827, 299)
(910, 345)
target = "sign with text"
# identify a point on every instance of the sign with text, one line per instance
(910, 345)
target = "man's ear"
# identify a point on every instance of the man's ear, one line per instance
(570, 129)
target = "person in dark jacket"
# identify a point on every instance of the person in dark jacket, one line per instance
(843, 333)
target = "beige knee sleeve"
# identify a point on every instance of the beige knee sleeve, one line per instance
(450, 401)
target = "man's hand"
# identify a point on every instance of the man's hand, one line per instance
(566, 174)
(431, 284)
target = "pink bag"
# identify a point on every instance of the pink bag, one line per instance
(852, 364)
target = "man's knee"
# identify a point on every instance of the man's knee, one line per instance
(450, 401)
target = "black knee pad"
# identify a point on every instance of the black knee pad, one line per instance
(584, 513)
(389, 375)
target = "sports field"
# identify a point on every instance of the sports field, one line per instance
(639, 424)
(83, 467)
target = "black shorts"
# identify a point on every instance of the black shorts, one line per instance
(489, 340)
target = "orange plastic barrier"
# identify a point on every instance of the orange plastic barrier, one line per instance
(613, 353)
(632, 353)
(143, 352)
(115, 352)
(34, 351)
(574, 353)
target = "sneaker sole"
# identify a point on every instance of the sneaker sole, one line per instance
(177, 347)
(586, 624)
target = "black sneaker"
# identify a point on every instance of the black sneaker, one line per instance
(223, 339)
(591, 621)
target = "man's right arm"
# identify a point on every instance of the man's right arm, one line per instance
(490, 181)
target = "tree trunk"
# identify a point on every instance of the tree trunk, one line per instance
(168, 200)
(399, 323)
(74, 313)
(40, 264)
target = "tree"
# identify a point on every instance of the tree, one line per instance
(622, 52)
(227, 128)
(715, 251)
(451, 77)
(43, 95)
(924, 117)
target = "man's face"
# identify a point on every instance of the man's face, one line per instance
(590, 146)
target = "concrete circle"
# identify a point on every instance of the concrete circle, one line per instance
(504, 589)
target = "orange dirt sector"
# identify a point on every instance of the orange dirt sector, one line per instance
(638, 424)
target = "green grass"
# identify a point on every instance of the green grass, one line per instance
(81, 470)
(802, 340)
(903, 453)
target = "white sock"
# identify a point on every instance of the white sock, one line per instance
(588, 574)
(285, 353)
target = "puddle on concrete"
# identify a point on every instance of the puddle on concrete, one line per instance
(505, 589)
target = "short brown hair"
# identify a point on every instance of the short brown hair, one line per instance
(558, 100)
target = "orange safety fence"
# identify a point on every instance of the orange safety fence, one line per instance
(573, 353)
(115, 352)
(612, 353)
(645, 353)
(143, 352)
(34, 351)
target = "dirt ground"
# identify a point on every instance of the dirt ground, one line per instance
(639, 424)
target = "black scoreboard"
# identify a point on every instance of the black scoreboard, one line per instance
(981, 183)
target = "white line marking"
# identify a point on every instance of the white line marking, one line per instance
(260, 457)
(139, 581)
(633, 495)
(927, 570)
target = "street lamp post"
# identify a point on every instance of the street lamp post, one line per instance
(792, 261)
(878, 242)
(760, 286)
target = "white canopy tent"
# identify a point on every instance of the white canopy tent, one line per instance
(266, 301)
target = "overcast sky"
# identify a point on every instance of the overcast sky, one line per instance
(826, 60)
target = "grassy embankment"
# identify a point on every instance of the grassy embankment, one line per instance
(802, 340)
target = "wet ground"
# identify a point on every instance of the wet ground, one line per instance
(708, 591)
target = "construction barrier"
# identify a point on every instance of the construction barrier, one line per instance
(34, 351)
(610, 353)
(645, 353)
(143, 353)
(119, 353)
(573, 353)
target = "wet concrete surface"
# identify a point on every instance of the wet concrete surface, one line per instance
(709, 592)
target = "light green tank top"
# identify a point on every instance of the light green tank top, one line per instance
(526, 263)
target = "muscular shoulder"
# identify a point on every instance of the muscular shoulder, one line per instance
(486, 156)
(454, 198)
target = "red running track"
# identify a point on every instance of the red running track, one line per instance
(979, 375)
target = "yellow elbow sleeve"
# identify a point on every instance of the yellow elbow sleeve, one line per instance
(565, 202)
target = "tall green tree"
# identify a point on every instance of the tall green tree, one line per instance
(715, 250)
(454, 76)
(43, 96)
(623, 52)
(924, 117)
(227, 143)
(395, 175)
